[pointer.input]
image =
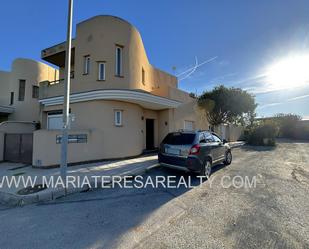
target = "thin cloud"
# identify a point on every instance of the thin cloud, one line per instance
(254, 84)
(299, 97)
(251, 80)
(221, 78)
(284, 102)
(269, 105)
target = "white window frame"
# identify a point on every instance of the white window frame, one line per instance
(116, 119)
(118, 73)
(99, 70)
(86, 64)
(71, 119)
(190, 121)
(53, 116)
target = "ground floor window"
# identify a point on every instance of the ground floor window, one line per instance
(54, 121)
(189, 125)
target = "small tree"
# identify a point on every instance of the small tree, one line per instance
(228, 105)
(193, 95)
(287, 124)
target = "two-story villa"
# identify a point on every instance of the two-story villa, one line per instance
(120, 104)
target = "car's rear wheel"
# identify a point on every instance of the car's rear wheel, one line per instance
(228, 158)
(206, 170)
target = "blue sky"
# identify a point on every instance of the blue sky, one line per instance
(242, 40)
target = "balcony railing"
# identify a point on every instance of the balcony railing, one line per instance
(55, 82)
(60, 80)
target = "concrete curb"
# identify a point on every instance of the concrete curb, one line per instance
(15, 200)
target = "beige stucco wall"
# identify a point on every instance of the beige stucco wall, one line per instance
(235, 132)
(33, 72)
(98, 37)
(172, 93)
(4, 88)
(105, 140)
(164, 124)
(189, 112)
(17, 127)
(47, 153)
(230, 132)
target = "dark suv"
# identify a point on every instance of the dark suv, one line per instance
(195, 151)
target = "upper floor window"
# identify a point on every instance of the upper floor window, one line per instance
(118, 118)
(119, 58)
(86, 64)
(143, 76)
(21, 92)
(12, 98)
(101, 71)
(35, 92)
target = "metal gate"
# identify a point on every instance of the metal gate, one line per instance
(18, 148)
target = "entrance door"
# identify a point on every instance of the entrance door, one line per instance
(149, 134)
(18, 148)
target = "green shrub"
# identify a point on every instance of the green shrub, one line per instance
(287, 124)
(301, 131)
(261, 135)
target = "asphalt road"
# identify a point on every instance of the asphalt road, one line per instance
(223, 212)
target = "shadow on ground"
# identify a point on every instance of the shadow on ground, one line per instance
(257, 148)
(99, 219)
(291, 141)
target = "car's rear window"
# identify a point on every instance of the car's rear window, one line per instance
(179, 138)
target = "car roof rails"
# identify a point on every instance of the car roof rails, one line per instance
(203, 130)
(184, 130)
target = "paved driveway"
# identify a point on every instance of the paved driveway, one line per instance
(274, 214)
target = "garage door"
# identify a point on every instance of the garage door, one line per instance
(189, 125)
(18, 148)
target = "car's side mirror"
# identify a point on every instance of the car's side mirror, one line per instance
(224, 141)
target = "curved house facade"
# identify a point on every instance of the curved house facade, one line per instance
(120, 106)
(19, 89)
(20, 108)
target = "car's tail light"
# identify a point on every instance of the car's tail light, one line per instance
(195, 149)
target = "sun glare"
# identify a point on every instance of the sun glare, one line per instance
(289, 72)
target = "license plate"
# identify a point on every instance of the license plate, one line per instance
(172, 151)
